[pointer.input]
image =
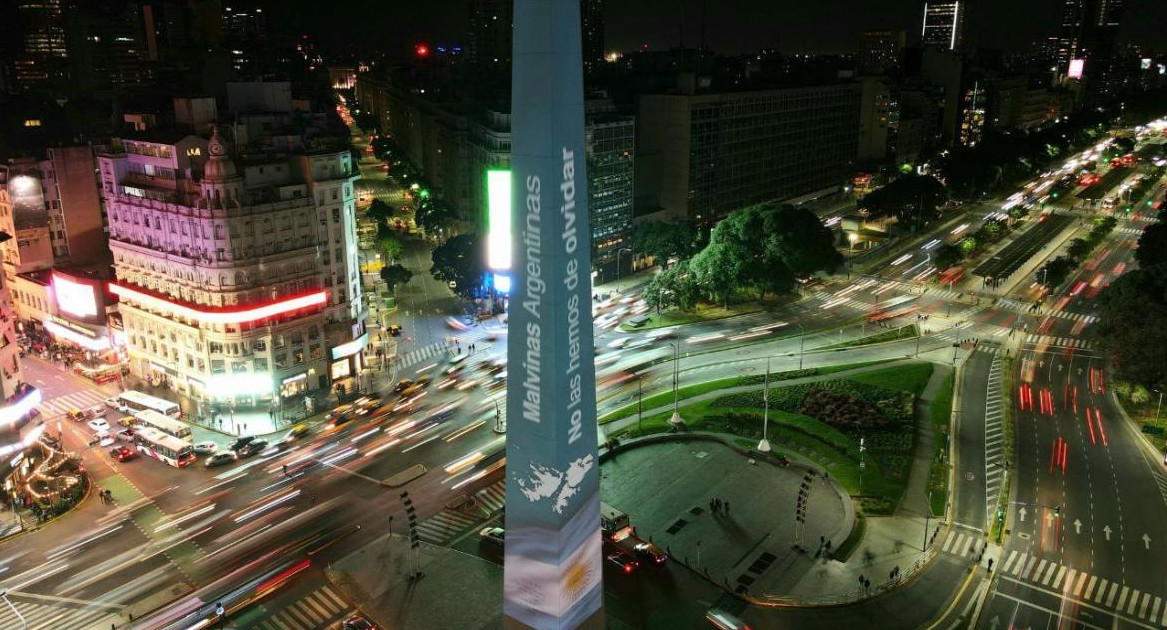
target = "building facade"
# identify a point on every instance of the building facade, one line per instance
(1087, 45)
(490, 31)
(610, 139)
(943, 25)
(592, 25)
(701, 156)
(880, 51)
(236, 285)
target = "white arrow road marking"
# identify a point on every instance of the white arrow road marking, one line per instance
(1106, 530)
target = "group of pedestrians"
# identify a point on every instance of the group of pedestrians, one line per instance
(717, 506)
(106, 496)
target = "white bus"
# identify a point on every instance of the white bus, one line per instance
(136, 401)
(165, 448)
(150, 419)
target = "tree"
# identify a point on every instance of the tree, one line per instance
(716, 271)
(663, 240)
(1152, 246)
(912, 199)
(1132, 325)
(395, 275)
(432, 215)
(1055, 272)
(947, 255)
(672, 287)
(1079, 248)
(380, 211)
(461, 260)
(390, 246)
(798, 238)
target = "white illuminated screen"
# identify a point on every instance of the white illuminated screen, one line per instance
(74, 298)
(1076, 67)
(498, 217)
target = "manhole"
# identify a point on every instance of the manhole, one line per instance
(676, 527)
(697, 511)
(969, 476)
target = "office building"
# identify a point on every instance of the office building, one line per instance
(610, 139)
(943, 25)
(1087, 44)
(237, 277)
(40, 59)
(702, 156)
(880, 51)
(107, 46)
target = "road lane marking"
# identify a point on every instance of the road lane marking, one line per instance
(1009, 561)
(1113, 591)
(1155, 609)
(1116, 615)
(1040, 568)
(1029, 567)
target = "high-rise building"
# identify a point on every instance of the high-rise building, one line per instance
(943, 24)
(490, 31)
(592, 24)
(107, 45)
(40, 61)
(702, 156)
(1087, 44)
(238, 280)
(880, 51)
(610, 139)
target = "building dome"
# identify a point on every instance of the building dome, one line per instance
(219, 167)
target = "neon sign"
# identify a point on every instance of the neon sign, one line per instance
(240, 316)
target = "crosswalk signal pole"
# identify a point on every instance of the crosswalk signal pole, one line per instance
(413, 552)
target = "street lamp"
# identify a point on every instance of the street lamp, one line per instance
(1160, 405)
(676, 420)
(852, 237)
(801, 344)
(622, 249)
(764, 445)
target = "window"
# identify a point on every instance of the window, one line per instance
(215, 347)
(281, 360)
(217, 366)
(316, 351)
(260, 365)
(335, 212)
(259, 345)
(297, 357)
(238, 367)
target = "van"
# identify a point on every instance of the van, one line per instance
(612, 521)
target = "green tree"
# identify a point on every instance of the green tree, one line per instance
(380, 211)
(1132, 325)
(947, 255)
(663, 240)
(395, 275)
(461, 260)
(912, 199)
(432, 215)
(1152, 246)
(1055, 272)
(716, 271)
(798, 238)
(1079, 248)
(390, 246)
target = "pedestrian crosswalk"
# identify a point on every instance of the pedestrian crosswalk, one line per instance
(963, 544)
(41, 616)
(1058, 342)
(459, 342)
(994, 441)
(1133, 231)
(493, 497)
(314, 611)
(442, 527)
(1117, 597)
(413, 357)
(75, 400)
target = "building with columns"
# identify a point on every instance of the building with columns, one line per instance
(238, 278)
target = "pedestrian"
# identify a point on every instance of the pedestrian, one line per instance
(726, 505)
(822, 540)
(712, 505)
(285, 470)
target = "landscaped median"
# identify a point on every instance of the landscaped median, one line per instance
(820, 419)
(702, 313)
(896, 334)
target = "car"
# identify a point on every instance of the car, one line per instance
(368, 403)
(357, 622)
(222, 458)
(76, 414)
(640, 343)
(402, 385)
(98, 425)
(624, 560)
(206, 447)
(492, 535)
(96, 411)
(410, 391)
(253, 447)
(394, 330)
(123, 453)
(114, 403)
(127, 434)
(241, 441)
(297, 432)
(619, 342)
(725, 621)
(104, 438)
(651, 553)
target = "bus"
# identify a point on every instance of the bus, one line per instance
(166, 448)
(136, 401)
(149, 419)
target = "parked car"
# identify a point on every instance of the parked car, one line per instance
(222, 458)
(104, 438)
(493, 535)
(253, 447)
(651, 553)
(357, 622)
(123, 453)
(624, 560)
(98, 425)
(206, 447)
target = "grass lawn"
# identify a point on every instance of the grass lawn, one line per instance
(941, 413)
(910, 377)
(904, 332)
(690, 391)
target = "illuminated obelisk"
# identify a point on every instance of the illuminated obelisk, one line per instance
(553, 550)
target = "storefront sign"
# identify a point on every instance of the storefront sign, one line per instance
(350, 348)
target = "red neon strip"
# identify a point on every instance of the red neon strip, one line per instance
(1053, 456)
(266, 311)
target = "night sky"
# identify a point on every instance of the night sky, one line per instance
(731, 25)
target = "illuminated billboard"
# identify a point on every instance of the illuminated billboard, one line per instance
(75, 298)
(1076, 67)
(29, 211)
(498, 220)
(1145, 64)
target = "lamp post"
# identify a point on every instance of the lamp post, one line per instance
(1160, 405)
(676, 420)
(639, 403)
(622, 249)
(764, 445)
(801, 344)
